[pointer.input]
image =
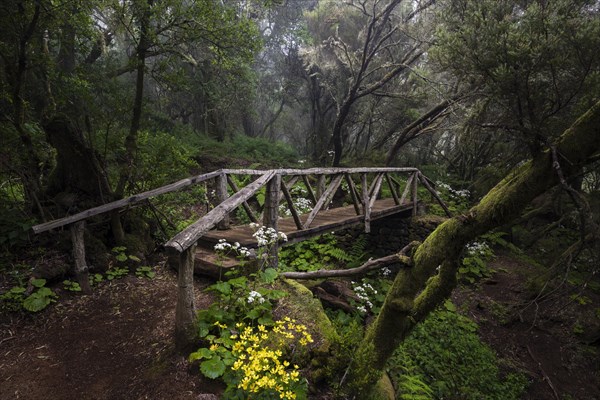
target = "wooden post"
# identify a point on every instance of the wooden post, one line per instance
(365, 196)
(353, 194)
(81, 268)
(185, 313)
(222, 195)
(271, 214)
(390, 183)
(324, 199)
(434, 194)
(375, 191)
(247, 208)
(311, 194)
(407, 189)
(290, 202)
(321, 185)
(415, 183)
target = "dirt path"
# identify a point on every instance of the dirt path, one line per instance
(117, 343)
(537, 337)
(113, 344)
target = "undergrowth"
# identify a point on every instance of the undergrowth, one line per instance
(443, 358)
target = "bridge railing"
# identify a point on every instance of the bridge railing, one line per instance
(363, 185)
(278, 187)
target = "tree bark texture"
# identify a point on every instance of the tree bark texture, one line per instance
(416, 291)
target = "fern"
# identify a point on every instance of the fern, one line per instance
(358, 251)
(358, 247)
(338, 254)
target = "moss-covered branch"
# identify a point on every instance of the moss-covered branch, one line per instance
(418, 290)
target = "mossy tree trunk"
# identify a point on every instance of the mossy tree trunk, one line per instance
(430, 279)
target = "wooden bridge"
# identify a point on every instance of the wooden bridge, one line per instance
(339, 198)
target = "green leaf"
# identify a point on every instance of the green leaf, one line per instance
(254, 313)
(269, 275)
(222, 287)
(133, 258)
(203, 329)
(40, 282)
(266, 320)
(448, 305)
(121, 257)
(37, 301)
(200, 354)
(213, 368)
(241, 281)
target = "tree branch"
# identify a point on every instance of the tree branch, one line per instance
(370, 265)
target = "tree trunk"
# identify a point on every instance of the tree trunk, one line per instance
(77, 170)
(127, 164)
(416, 291)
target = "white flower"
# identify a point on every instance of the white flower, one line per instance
(243, 251)
(255, 296)
(222, 246)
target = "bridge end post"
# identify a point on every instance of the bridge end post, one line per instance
(271, 215)
(185, 312)
(81, 268)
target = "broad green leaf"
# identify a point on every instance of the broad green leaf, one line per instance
(238, 282)
(40, 282)
(200, 354)
(269, 275)
(222, 287)
(121, 257)
(36, 302)
(213, 368)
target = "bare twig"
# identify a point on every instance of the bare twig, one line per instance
(370, 265)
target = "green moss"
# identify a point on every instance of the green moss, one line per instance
(302, 306)
(402, 305)
(384, 389)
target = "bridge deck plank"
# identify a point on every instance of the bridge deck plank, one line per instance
(326, 221)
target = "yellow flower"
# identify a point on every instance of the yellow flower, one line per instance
(220, 325)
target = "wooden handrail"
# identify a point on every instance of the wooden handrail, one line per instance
(57, 223)
(190, 235)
